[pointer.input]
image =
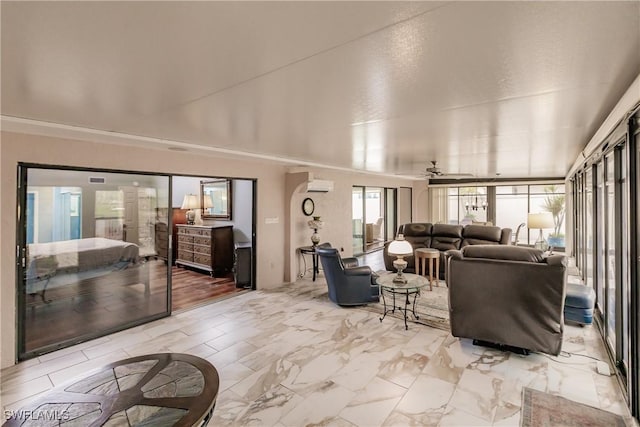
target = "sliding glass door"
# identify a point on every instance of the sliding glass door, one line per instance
(357, 219)
(88, 263)
(607, 201)
(373, 217)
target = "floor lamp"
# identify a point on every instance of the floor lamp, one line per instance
(543, 220)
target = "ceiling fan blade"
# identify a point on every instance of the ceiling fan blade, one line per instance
(454, 176)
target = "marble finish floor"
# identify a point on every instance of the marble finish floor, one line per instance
(290, 357)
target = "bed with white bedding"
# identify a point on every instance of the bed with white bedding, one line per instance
(71, 260)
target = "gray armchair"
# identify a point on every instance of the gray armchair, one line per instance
(511, 296)
(348, 285)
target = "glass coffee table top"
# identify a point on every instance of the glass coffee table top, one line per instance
(414, 281)
(165, 389)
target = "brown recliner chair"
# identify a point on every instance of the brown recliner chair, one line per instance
(507, 296)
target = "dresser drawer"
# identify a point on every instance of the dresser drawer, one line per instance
(202, 249)
(185, 239)
(200, 240)
(182, 246)
(185, 256)
(202, 259)
(194, 231)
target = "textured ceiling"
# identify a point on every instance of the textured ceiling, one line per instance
(516, 88)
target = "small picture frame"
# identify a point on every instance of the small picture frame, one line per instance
(308, 206)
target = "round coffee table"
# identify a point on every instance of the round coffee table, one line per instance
(168, 389)
(432, 256)
(412, 287)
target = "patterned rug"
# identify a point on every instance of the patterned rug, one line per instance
(432, 307)
(541, 409)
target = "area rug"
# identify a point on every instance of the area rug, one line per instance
(541, 409)
(432, 307)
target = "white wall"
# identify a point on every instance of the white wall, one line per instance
(242, 204)
(183, 185)
(333, 207)
(16, 148)
(280, 228)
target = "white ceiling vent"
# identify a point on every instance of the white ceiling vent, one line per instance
(319, 186)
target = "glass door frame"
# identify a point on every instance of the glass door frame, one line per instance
(633, 175)
(21, 252)
(384, 209)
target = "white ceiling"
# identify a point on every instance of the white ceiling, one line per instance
(516, 88)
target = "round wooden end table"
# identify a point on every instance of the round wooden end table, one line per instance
(432, 256)
(164, 389)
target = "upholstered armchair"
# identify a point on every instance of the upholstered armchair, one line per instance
(348, 285)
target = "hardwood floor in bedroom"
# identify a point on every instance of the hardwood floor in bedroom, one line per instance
(191, 288)
(104, 303)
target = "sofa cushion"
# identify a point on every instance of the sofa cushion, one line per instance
(445, 243)
(418, 234)
(481, 235)
(447, 230)
(417, 229)
(503, 252)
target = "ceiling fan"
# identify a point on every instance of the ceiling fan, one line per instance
(434, 171)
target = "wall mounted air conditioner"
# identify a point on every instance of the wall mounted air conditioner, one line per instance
(319, 186)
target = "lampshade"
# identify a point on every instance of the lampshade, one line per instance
(400, 247)
(190, 201)
(208, 201)
(540, 220)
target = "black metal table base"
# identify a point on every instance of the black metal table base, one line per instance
(406, 293)
(310, 250)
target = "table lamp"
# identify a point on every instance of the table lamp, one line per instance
(540, 221)
(400, 248)
(190, 202)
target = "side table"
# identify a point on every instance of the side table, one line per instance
(432, 256)
(412, 287)
(309, 250)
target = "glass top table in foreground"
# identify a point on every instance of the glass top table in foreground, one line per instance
(413, 286)
(164, 389)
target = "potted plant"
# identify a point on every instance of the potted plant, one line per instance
(554, 203)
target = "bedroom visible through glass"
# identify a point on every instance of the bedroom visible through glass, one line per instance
(90, 255)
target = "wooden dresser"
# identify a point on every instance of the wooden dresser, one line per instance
(206, 247)
(161, 240)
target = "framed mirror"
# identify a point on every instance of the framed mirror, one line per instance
(215, 199)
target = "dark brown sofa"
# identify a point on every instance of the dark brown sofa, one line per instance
(446, 237)
(507, 295)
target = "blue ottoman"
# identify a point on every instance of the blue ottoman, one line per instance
(578, 304)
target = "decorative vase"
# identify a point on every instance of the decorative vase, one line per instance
(315, 237)
(315, 224)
